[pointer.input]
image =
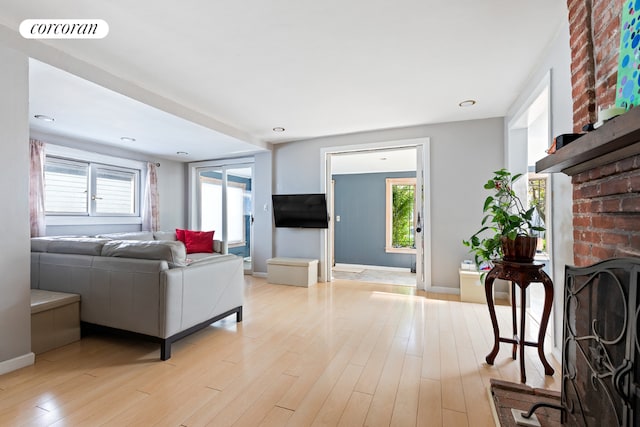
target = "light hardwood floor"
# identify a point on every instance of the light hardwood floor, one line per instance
(342, 353)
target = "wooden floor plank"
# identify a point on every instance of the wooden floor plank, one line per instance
(336, 402)
(356, 410)
(429, 403)
(384, 397)
(261, 407)
(405, 409)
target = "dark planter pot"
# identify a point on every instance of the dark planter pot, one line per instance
(521, 249)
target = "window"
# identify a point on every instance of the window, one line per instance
(115, 191)
(74, 187)
(537, 197)
(211, 208)
(66, 186)
(400, 221)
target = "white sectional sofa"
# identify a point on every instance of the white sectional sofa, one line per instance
(150, 288)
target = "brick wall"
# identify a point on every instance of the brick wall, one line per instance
(594, 28)
(606, 212)
(606, 199)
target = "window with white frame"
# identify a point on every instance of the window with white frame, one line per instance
(400, 219)
(211, 212)
(83, 188)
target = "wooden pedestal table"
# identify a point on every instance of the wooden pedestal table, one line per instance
(521, 274)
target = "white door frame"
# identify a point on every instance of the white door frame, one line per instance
(194, 191)
(423, 182)
(517, 135)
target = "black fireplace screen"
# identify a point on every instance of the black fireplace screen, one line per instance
(601, 352)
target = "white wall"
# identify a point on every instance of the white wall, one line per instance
(558, 60)
(15, 312)
(172, 191)
(463, 156)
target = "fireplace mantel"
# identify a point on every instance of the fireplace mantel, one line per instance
(616, 139)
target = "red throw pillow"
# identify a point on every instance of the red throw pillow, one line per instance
(198, 241)
(180, 234)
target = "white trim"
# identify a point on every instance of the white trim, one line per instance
(92, 220)
(17, 363)
(193, 208)
(373, 267)
(193, 183)
(514, 124)
(259, 274)
(325, 185)
(222, 162)
(76, 154)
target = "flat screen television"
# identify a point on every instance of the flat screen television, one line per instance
(300, 210)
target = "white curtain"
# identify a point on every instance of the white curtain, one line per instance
(150, 204)
(36, 188)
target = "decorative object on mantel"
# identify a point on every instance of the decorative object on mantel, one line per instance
(617, 139)
(608, 114)
(562, 140)
(604, 115)
(515, 232)
(628, 84)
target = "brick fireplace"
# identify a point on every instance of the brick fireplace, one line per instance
(606, 181)
(601, 325)
(601, 348)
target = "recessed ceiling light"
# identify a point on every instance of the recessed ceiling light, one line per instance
(127, 139)
(278, 129)
(468, 103)
(44, 118)
(182, 153)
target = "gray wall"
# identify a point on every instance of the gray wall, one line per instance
(15, 312)
(263, 222)
(558, 61)
(360, 201)
(463, 155)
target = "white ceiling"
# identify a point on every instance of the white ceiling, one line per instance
(316, 68)
(86, 111)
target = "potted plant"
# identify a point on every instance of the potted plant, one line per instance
(508, 230)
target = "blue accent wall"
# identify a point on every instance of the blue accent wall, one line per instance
(360, 201)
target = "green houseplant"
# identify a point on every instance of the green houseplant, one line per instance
(507, 230)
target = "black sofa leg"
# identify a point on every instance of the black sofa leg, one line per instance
(165, 350)
(239, 315)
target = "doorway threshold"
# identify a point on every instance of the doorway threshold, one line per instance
(374, 274)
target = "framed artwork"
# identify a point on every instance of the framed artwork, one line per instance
(628, 84)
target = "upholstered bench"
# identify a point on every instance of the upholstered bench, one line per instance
(292, 271)
(55, 319)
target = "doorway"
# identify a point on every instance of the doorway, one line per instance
(359, 235)
(529, 134)
(223, 201)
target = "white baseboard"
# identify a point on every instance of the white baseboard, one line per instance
(373, 267)
(17, 363)
(259, 274)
